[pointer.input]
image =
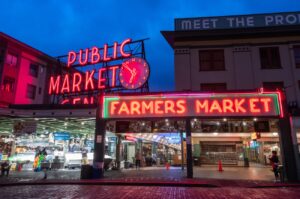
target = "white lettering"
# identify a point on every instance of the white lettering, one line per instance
(250, 21)
(268, 20)
(186, 25)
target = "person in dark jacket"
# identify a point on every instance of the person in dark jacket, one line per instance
(275, 163)
(5, 167)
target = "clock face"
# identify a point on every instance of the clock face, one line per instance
(134, 73)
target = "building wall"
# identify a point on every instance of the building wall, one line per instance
(24, 78)
(26, 56)
(242, 65)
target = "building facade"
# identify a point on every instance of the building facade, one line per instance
(236, 53)
(24, 73)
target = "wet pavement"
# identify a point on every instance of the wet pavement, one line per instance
(157, 173)
(136, 192)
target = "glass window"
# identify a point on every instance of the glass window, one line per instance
(211, 60)
(273, 85)
(270, 58)
(11, 59)
(8, 84)
(214, 87)
(31, 90)
(34, 70)
(297, 56)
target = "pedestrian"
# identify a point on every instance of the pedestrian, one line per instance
(5, 167)
(274, 160)
(43, 155)
(138, 160)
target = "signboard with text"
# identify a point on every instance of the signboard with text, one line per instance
(238, 21)
(192, 105)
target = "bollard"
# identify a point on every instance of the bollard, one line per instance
(220, 166)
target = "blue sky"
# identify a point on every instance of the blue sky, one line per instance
(57, 26)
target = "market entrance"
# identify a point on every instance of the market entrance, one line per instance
(241, 108)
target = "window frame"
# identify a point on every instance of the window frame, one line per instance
(295, 57)
(11, 81)
(36, 75)
(270, 58)
(34, 91)
(212, 60)
(12, 55)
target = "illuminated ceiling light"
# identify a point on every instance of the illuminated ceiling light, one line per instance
(65, 123)
(218, 123)
(168, 124)
(275, 134)
(143, 123)
(36, 119)
(195, 120)
(215, 133)
(244, 123)
(166, 120)
(82, 123)
(224, 119)
(255, 119)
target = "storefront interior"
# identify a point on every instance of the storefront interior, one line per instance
(69, 142)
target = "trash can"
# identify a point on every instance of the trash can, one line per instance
(86, 172)
(281, 173)
(246, 162)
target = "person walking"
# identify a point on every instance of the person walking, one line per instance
(275, 164)
(138, 160)
(5, 167)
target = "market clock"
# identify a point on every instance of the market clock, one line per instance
(134, 73)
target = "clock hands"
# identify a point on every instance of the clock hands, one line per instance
(133, 72)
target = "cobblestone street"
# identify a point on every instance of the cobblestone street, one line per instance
(95, 191)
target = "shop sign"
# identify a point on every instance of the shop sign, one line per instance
(192, 105)
(61, 136)
(238, 21)
(132, 73)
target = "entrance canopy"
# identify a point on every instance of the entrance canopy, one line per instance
(231, 104)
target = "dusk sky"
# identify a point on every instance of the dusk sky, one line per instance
(56, 27)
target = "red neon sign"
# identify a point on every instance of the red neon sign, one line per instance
(185, 105)
(96, 55)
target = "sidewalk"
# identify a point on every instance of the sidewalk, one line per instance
(146, 177)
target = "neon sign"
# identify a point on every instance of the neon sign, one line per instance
(96, 55)
(192, 105)
(129, 72)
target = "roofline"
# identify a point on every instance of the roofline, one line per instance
(222, 34)
(24, 45)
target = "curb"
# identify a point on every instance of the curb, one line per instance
(112, 183)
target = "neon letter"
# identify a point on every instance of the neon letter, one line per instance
(181, 105)
(115, 50)
(252, 105)
(169, 106)
(228, 105)
(124, 108)
(113, 107)
(89, 79)
(95, 55)
(54, 86)
(76, 82)
(266, 102)
(66, 85)
(75, 100)
(215, 107)
(135, 107)
(157, 108)
(86, 57)
(101, 79)
(113, 75)
(238, 105)
(203, 105)
(146, 107)
(122, 48)
(71, 58)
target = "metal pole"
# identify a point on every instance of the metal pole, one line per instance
(182, 152)
(99, 145)
(189, 158)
